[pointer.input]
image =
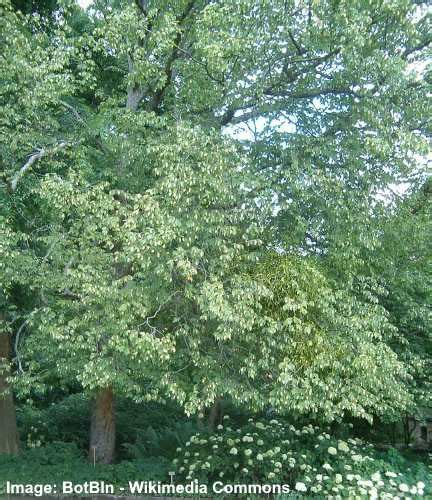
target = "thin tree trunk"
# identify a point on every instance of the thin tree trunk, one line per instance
(405, 424)
(102, 428)
(214, 414)
(8, 425)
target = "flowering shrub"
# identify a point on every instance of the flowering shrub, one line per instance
(310, 461)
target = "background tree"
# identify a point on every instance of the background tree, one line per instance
(403, 265)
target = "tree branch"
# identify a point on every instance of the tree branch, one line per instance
(77, 116)
(422, 45)
(309, 94)
(157, 97)
(17, 340)
(142, 6)
(80, 119)
(298, 47)
(34, 158)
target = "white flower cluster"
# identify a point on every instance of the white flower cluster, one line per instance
(311, 461)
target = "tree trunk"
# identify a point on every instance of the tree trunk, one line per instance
(214, 415)
(8, 425)
(102, 428)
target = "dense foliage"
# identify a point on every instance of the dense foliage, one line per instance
(312, 460)
(204, 202)
(309, 461)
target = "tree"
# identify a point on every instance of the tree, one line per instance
(142, 215)
(28, 77)
(310, 345)
(8, 433)
(403, 266)
(114, 263)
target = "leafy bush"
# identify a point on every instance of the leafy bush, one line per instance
(309, 461)
(147, 429)
(151, 430)
(160, 442)
(67, 420)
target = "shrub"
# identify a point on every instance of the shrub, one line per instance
(309, 461)
(163, 442)
(67, 420)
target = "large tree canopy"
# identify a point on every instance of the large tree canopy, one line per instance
(193, 193)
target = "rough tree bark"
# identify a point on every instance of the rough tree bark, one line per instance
(8, 426)
(102, 428)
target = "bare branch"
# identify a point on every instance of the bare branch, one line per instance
(34, 158)
(17, 339)
(77, 116)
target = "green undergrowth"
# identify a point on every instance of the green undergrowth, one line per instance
(56, 462)
(314, 460)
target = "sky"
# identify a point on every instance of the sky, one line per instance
(84, 3)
